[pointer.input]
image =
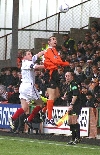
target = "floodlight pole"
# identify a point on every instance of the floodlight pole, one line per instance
(15, 18)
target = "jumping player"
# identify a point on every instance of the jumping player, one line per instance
(27, 88)
(51, 62)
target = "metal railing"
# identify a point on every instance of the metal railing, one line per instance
(76, 17)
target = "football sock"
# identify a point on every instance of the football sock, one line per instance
(34, 112)
(49, 108)
(77, 131)
(44, 109)
(72, 128)
(17, 113)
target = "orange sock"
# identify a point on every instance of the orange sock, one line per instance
(44, 109)
(49, 108)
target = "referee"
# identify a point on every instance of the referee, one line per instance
(74, 109)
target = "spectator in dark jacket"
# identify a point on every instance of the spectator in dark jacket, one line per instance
(14, 98)
(91, 100)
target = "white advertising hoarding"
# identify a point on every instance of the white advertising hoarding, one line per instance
(58, 112)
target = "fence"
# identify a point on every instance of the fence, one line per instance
(76, 17)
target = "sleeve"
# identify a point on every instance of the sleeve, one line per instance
(34, 58)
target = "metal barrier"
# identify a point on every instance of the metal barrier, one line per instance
(76, 17)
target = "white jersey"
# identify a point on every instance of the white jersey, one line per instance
(27, 88)
(28, 74)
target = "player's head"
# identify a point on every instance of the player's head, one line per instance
(52, 41)
(27, 55)
(65, 37)
(69, 76)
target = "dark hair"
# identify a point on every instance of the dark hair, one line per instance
(24, 52)
(72, 73)
(51, 37)
(79, 66)
(67, 35)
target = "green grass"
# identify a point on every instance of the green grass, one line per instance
(23, 146)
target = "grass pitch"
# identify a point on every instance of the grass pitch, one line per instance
(25, 146)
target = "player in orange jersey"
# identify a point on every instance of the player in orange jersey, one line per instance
(51, 62)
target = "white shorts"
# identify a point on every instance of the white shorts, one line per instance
(28, 92)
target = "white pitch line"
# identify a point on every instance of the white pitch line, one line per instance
(57, 144)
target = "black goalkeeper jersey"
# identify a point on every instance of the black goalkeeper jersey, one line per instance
(73, 90)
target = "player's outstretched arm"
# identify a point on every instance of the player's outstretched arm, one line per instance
(40, 53)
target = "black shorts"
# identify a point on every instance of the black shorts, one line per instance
(53, 81)
(76, 110)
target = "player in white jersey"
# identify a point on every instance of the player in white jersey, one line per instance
(27, 88)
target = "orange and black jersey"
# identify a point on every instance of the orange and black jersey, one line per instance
(52, 60)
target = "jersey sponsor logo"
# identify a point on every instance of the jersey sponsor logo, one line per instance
(74, 87)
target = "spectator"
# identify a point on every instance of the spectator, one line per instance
(3, 94)
(80, 47)
(91, 48)
(79, 55)
(14, 98)
(76, 63)
(94, 86)
(87, 39)
(82, 64)
(80, 76)
(44, 46)
(88, 68)
(72, 66)
(98, 43)
(83, 95)
(96, 25)
(19, 59)
(95, 72)
(91, 100)
(15, 78)
(95, 36)
(97, 57)
(2, 76)
(85, 46)
(69, 43)
(19, 77)
(8, 80)
(94, 29)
